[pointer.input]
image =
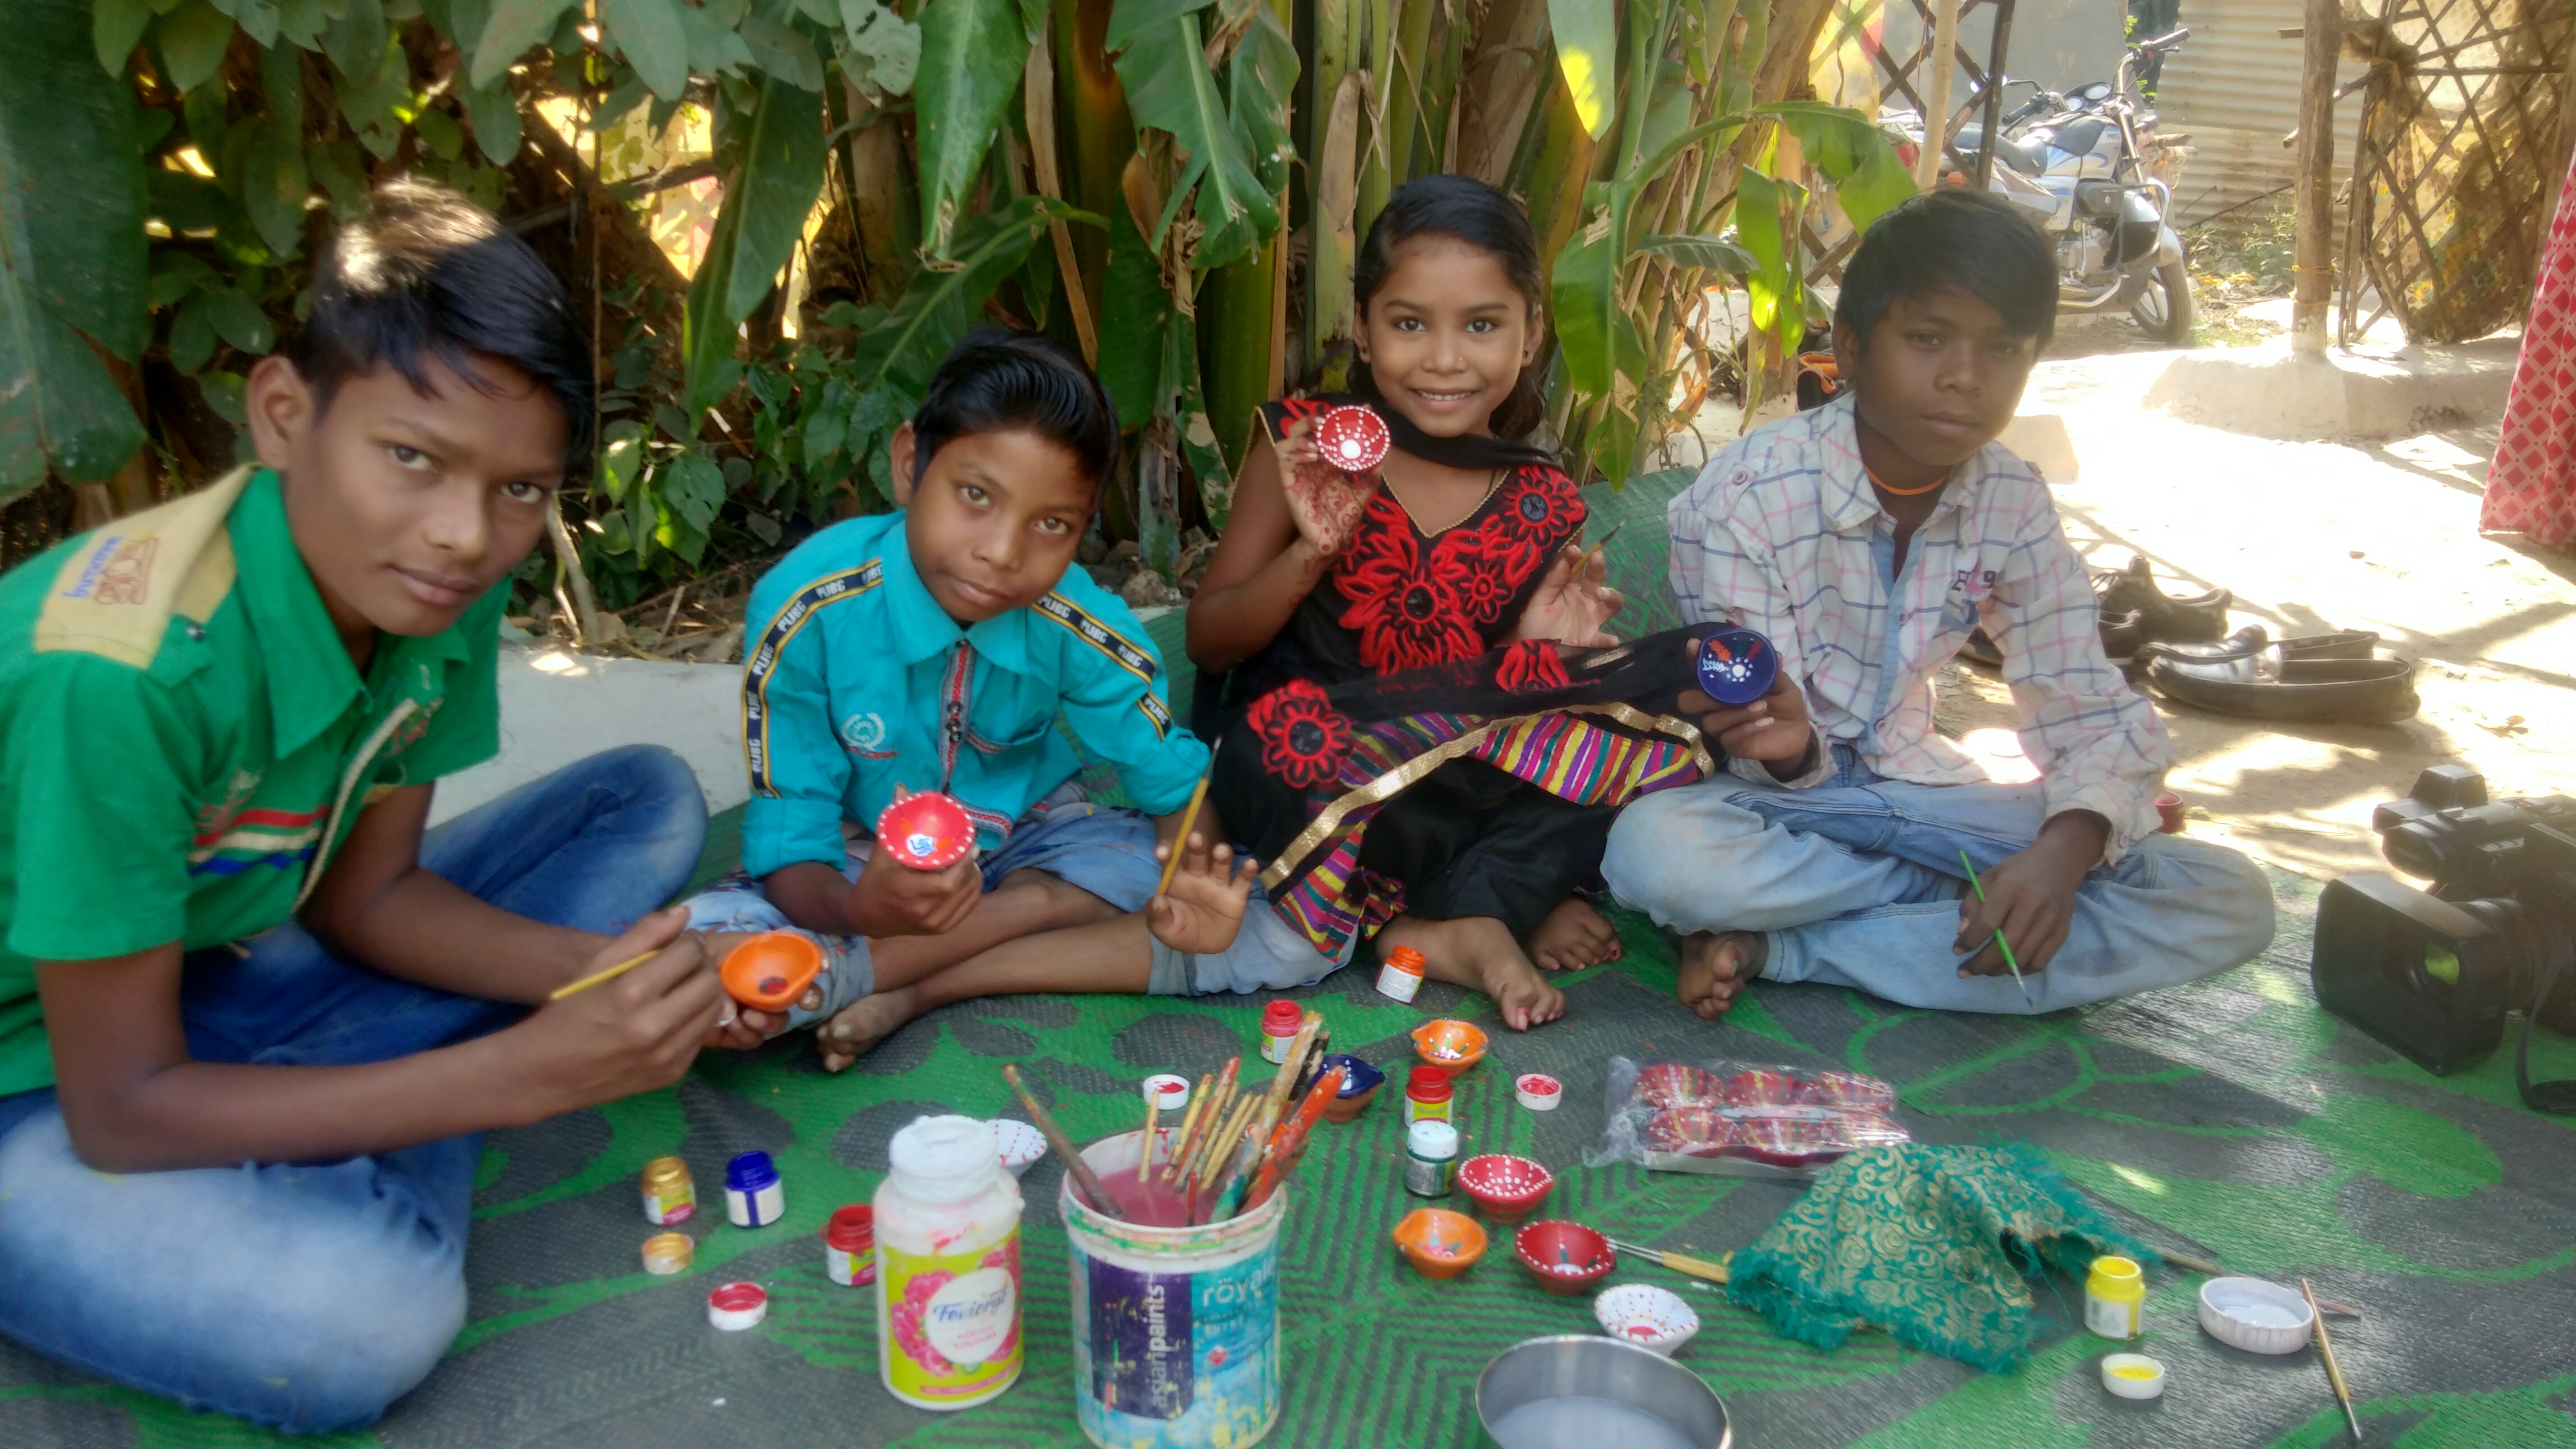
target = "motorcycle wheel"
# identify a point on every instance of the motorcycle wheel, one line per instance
(2164, 311)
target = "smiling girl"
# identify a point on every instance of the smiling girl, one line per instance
(1384, 654)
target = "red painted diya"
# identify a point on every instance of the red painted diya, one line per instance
(1353, 438)
(928, 831)
(1672, 1084)
(1761, 1089)
(1849, 1091)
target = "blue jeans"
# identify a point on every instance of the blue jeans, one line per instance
(307, 1297)
(1857, 883)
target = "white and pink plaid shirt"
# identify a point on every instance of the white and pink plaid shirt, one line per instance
(1782, 534)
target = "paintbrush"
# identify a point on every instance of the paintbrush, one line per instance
(1226, 1117)
(1145, 1144)
(1189, 1120)
(1083, 1177)
(2000, 943)
(2334, 1370)
(2193, 1264)
(1288, 1148)
(1212, 1154)
(1714, 1271)
(596, 977)
(1238, 1175)
(1291, 1062)
(1189, 817)
(1599, 547)
(1220, 1100)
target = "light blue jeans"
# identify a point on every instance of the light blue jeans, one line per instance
(1857, 883)
(307, 1297)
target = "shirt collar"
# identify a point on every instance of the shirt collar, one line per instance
(1849, 501)
(923, 631)
(311, 678)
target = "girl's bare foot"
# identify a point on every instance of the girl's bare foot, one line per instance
(1478, 952)
(1574, 937)
(863, 1023)
(1715, 969)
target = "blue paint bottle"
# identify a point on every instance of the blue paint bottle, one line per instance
(753, 1196)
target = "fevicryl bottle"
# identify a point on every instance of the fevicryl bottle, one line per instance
(948, 1266)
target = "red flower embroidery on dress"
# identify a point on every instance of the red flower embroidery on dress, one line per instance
(1485, 569)
(1407, 615)
(1531, 664)
(1536, 506)
(1303, 738)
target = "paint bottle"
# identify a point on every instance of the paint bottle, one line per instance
(1430, 1159)
(1279, 1023)
(2115, 1293)
(948, 1266)
(850, 1246)
(754, 1197)
(1400, 976)
(670, 1195)
(1427, 1091)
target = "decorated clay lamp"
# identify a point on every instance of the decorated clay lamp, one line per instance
(928, 831)
(1353, 438)
(1737, 666)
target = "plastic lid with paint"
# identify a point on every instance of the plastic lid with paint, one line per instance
(737, 1306)
(1538, 1091)
(2133, 1375)
(944, 1159)
(1167, 1091)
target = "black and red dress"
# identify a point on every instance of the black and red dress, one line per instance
(1394, 750)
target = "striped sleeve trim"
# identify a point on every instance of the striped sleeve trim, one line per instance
(763, 661)
(1121, 651)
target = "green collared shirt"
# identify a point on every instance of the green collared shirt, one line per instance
(184, 740)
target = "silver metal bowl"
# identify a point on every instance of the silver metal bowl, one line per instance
(1583, 1367)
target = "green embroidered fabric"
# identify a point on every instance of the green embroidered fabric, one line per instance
(1935, 1244)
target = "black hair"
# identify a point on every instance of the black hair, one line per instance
(1950, 237)
(428, 274)
(1467, 210)
(998, 378)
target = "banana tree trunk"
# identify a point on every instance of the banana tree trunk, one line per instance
(1377, 159)
(1557, 162)
(1501, 82)
(1406, 90)
(1094, 134)
(1335, 243)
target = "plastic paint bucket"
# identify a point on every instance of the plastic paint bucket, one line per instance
(1175, 1330)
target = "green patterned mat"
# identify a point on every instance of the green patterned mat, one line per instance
(2231, 1117)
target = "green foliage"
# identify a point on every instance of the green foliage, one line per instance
(972, 52)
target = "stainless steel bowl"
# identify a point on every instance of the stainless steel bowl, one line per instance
(1581, 1366)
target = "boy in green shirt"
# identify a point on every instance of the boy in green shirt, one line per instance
(241, 988)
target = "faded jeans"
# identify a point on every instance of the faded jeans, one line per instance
(1857, 883)
(307, 1297)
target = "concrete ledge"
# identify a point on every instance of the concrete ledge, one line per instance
(558, 707)
(2368, 392)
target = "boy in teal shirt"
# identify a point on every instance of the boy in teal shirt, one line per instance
(241, 989)
(935, 649)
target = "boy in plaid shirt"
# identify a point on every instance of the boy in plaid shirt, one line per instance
(1868, 538)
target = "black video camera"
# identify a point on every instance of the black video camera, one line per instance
(2433, 975)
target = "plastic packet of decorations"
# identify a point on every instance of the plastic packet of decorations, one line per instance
(1741, 1119)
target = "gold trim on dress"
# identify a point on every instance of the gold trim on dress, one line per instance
(1394, 782)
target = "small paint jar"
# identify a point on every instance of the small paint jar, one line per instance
(1401, 975)
(1279, 1023)
(1427, 1094)
(1430, 1159)
(670, 1194)
(754, 1198)
(850, 1246)
(2115, 1294)
(668, 1253)
(737, 1306)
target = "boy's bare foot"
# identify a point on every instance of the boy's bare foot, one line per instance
(1574, 937)
(863, 1023)
(1479, 952)
(1715, 969)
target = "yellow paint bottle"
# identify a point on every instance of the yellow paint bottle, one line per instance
(2115, 1295)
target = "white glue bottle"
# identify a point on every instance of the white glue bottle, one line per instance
(948, 1256)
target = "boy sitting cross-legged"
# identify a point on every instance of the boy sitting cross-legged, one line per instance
(933, 649)
(252, 1016)
(1867, 538)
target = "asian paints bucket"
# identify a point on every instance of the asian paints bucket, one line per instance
(1175, 1330)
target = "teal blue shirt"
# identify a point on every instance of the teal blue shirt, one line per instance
(857, 681)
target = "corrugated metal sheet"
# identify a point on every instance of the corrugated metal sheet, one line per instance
(2234, 87)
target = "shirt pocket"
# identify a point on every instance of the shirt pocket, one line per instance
(1001, 724)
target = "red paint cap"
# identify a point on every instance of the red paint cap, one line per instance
(1281, 1018)
(1428, 1084)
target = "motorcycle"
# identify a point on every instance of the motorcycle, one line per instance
(2096, 176)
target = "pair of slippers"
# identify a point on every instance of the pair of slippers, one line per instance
(2183, 644)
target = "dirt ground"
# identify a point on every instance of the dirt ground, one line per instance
(2314, 536)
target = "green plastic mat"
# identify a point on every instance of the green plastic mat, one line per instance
(2229, 1117)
